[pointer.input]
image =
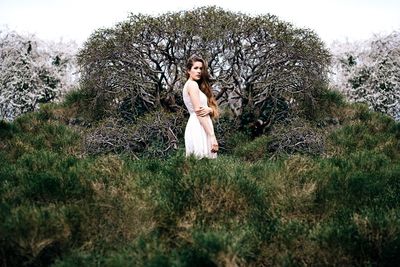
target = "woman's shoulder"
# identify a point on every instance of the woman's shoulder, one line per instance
(191, 84)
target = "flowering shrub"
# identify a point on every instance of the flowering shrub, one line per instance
(32, 72)
(370, 72)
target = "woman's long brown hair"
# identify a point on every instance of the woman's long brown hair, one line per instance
(204, 83)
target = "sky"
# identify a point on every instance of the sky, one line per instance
(332, 20)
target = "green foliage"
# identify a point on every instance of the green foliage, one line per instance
(363, 178)
(77, 101)
(322, 104)
(29, 133)
(74, 97)
(254, 150)
(228, 134)
(368, 131)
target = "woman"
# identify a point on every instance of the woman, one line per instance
(200, 139)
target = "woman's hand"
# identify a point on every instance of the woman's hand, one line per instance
(203, 111)
(214, 148)
(214, 144)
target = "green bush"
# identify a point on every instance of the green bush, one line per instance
(32, 132)
(254, 150)
(368, 131)
(183, 187)
(32, 235)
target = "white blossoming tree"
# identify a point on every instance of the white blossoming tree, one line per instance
(369, 72)
(32, 72)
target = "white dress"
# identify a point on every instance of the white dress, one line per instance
(197, 142)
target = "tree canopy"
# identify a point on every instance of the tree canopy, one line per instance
(262, 67)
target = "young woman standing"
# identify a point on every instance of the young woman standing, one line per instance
(200, 139)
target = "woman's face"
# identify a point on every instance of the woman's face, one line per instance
(195, 71)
